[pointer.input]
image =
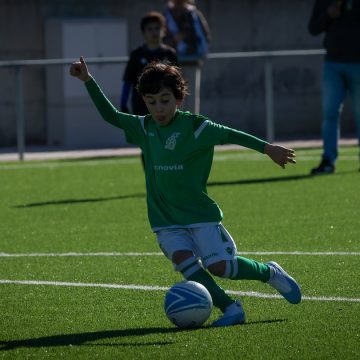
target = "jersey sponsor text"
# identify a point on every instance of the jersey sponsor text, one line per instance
(175, 167)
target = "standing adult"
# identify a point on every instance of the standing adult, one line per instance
(188, 32)
(340, 21)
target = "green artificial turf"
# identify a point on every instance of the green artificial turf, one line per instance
(84, 299)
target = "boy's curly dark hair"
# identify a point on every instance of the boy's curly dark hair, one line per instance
(158, 75)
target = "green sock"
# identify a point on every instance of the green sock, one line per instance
(247, 269)
(219, 297)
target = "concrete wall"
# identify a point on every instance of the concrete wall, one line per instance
(232, 91)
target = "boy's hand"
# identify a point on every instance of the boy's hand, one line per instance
(280, 155)
(80, 70)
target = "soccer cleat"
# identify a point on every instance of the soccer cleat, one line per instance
(284, 283)
(325, 167)
(233, 315)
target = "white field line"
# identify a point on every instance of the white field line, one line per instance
(133, 160)
(163, 288)
(55, 165)
(69, 254)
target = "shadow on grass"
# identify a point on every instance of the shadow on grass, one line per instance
(261, 180)
(84, 338)
(142, 195)
(80, 201)
(273, 321)
(278, 179)
(211, 183)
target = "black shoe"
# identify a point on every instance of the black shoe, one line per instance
(325, 167)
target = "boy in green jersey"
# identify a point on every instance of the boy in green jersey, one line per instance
(178, 148)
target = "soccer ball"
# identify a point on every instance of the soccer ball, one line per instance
(188, 304)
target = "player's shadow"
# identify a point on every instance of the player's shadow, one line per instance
(85, 339)
(79, 201)
(260, 180)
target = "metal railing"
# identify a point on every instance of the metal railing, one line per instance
(268, 75)
(267, 56)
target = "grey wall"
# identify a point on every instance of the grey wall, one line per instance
(232, 91)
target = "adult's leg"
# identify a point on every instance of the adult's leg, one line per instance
(353, 79)
(334, 91)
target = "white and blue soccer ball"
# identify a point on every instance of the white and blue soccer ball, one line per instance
(188, 304)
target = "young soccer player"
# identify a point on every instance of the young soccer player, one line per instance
(178, 148)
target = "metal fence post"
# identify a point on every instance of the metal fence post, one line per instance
(20, 124)
(269, 100)
(197, 89)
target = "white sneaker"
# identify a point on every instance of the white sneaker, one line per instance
(284, 283)
(234, 314)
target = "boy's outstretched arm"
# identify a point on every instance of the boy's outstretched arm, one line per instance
(79, 70)
(280, 155)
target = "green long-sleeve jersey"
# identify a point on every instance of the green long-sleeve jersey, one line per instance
(178, 159)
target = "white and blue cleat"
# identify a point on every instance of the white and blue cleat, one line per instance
(233, 315)
(279, 280)
(284, 283)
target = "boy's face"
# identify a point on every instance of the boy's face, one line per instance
(153, 33)
(162, 106)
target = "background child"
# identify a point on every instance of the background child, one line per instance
(178, 148)
(153, 29)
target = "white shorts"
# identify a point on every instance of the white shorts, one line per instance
(209, 243)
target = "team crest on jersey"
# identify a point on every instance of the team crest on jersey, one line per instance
(171, 141)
